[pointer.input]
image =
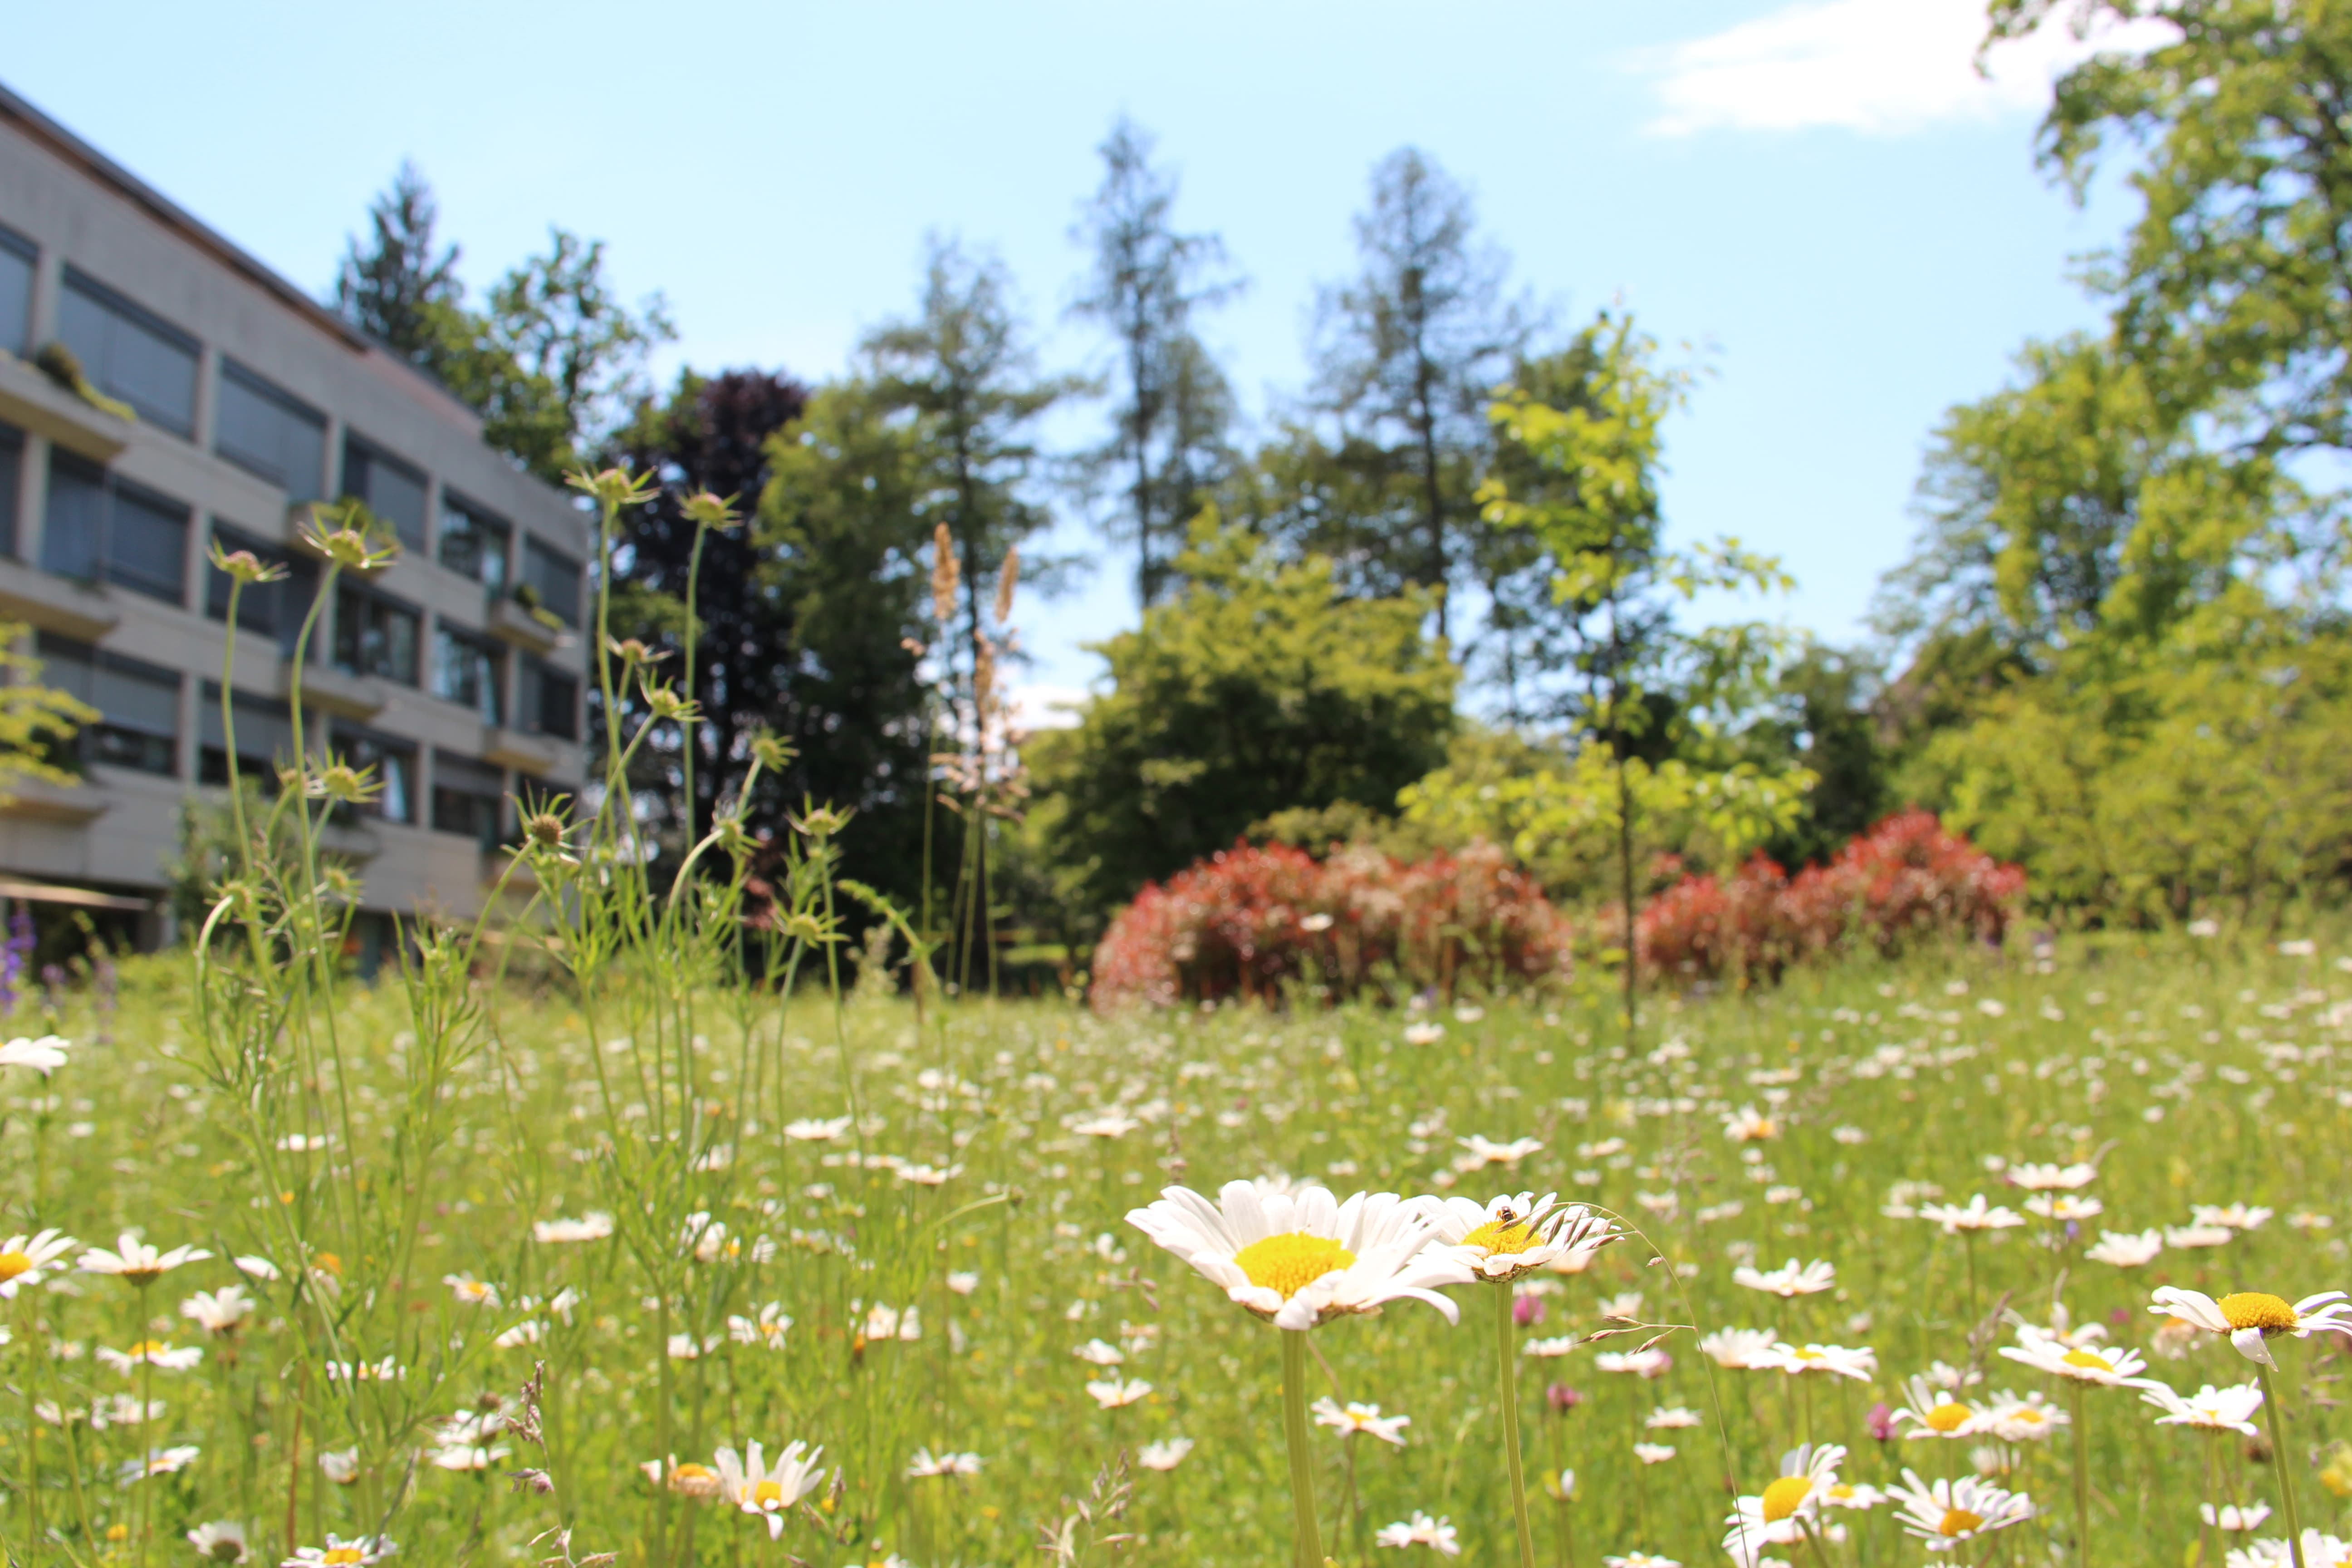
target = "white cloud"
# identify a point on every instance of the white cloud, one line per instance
(1044, 707)
(1878, 67)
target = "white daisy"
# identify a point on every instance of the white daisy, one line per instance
(1932, 1412)
(2231, 1518)
(926, 1466)
(1739, 1350)
(1654, 1452)
(158, 1462)
(44, 1056)
(1165, 1454)
(820, 1130)
(2319, 1551)
(2051, 1178)
(1517, 1233)
(1113, 1393)
(1095, 1353)
(1974, 1215)
(767, 1330)
(134, 1261)
(1652, 1363)
(1792, 1278)
(2251, 1317)
(23, 1257)
(2192, 1236)
(1360, 1420)
(1301, 1258)
(2232, 1217)
(1671, 1418)
(1104, 1124)
(1640, 1559)
(2123, 1249)
(1420, 1531)
(470, 1291)
(2107, 1366)
(340, 1465)
(769, 1491)
(1748, 1125)
(1779, 1515)
(2209, 1409)
(1835, 1359)
(1479, 1153)
(559, 1232)
(152, 1352)
(1947, 1514)
(2064, 1208)
(360, 1552)
(223, 1540)
(218, 1312)
(1550, 1349)
(2029, 1419)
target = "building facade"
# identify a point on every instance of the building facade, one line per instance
(215, 402)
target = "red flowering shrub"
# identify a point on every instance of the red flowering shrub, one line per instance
(1904, 880)
(1251, 919)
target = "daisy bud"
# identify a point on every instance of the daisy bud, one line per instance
(1527, 1310)
(1562, 1398)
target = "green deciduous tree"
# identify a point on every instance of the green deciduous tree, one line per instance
(1257, 687)
(2233, 288)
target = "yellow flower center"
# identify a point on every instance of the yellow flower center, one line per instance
(1948, 1418)
(690, 1471)
(2257, 1310)
(344, 1554)
(1504, 1235)
(2026, 1414)
(1288, 1263)
(144, 1349)
(1959, 1521)
(1783, 1497)
(2091, 1359)
(766, 1494)
(13, 1264)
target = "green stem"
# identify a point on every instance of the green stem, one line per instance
(1308, 1549)
(2278, 1463)
(1508, 1373)
(2082, 1480)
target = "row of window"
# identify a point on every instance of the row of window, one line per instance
(140, 729)
(130, 353)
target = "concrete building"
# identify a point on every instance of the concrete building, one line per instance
(456, 671)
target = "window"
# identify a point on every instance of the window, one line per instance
(474, 541)
(547, 701)
(553, 579)
(469, 671)
(16, 257)
(130, 353)
(102, 527)
(469, 797)
(394, 761)
(374, 636)
(139, 704)
(265, 737)
(273, 610)
(270, 433)
(12, 474)
(392, 490)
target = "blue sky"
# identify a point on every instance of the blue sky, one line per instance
(1822, 197)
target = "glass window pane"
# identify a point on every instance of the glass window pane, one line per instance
(392, 490)
(131, 354)
(77, 517)
(270, 432)
(136, 696)
(474, 541)
(12, 474)
(16, 255)
(147, 544)
(555, 578)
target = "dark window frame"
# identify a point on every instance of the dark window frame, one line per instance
(362, 747)
(261, 465)
(490, 650)
(376, 601)
(273, 610)
(468, 807)
(12, 486)
(535, 549)
(111, 741)
(112, 488)
(23, 248)
(531, 705)
(174, 336)
(375, 454)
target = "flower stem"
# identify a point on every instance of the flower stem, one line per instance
(1508, 1371)
(2082, 1481)
(2278, 1463)
(1308, 1550)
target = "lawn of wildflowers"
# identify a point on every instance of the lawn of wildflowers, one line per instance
(888, 1301)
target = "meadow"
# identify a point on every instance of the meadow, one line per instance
(903, 1239)
(621, 1228)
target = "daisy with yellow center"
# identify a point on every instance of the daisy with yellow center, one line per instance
(769, 1491)
(1949, 1514)
(136, 1262)
(2082, 1365)
(362, 1553)
(23, 1257)
(1935, 1413)
(1298, 1258)
(2252, 1319)
(1785, 1513)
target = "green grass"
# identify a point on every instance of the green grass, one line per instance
(2210, 1072)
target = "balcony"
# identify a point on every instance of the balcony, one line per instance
(335, 691)
(349, 841)
(55, 603)
(42, 800)
(31, 401)
(537, 755)
(521, 627)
